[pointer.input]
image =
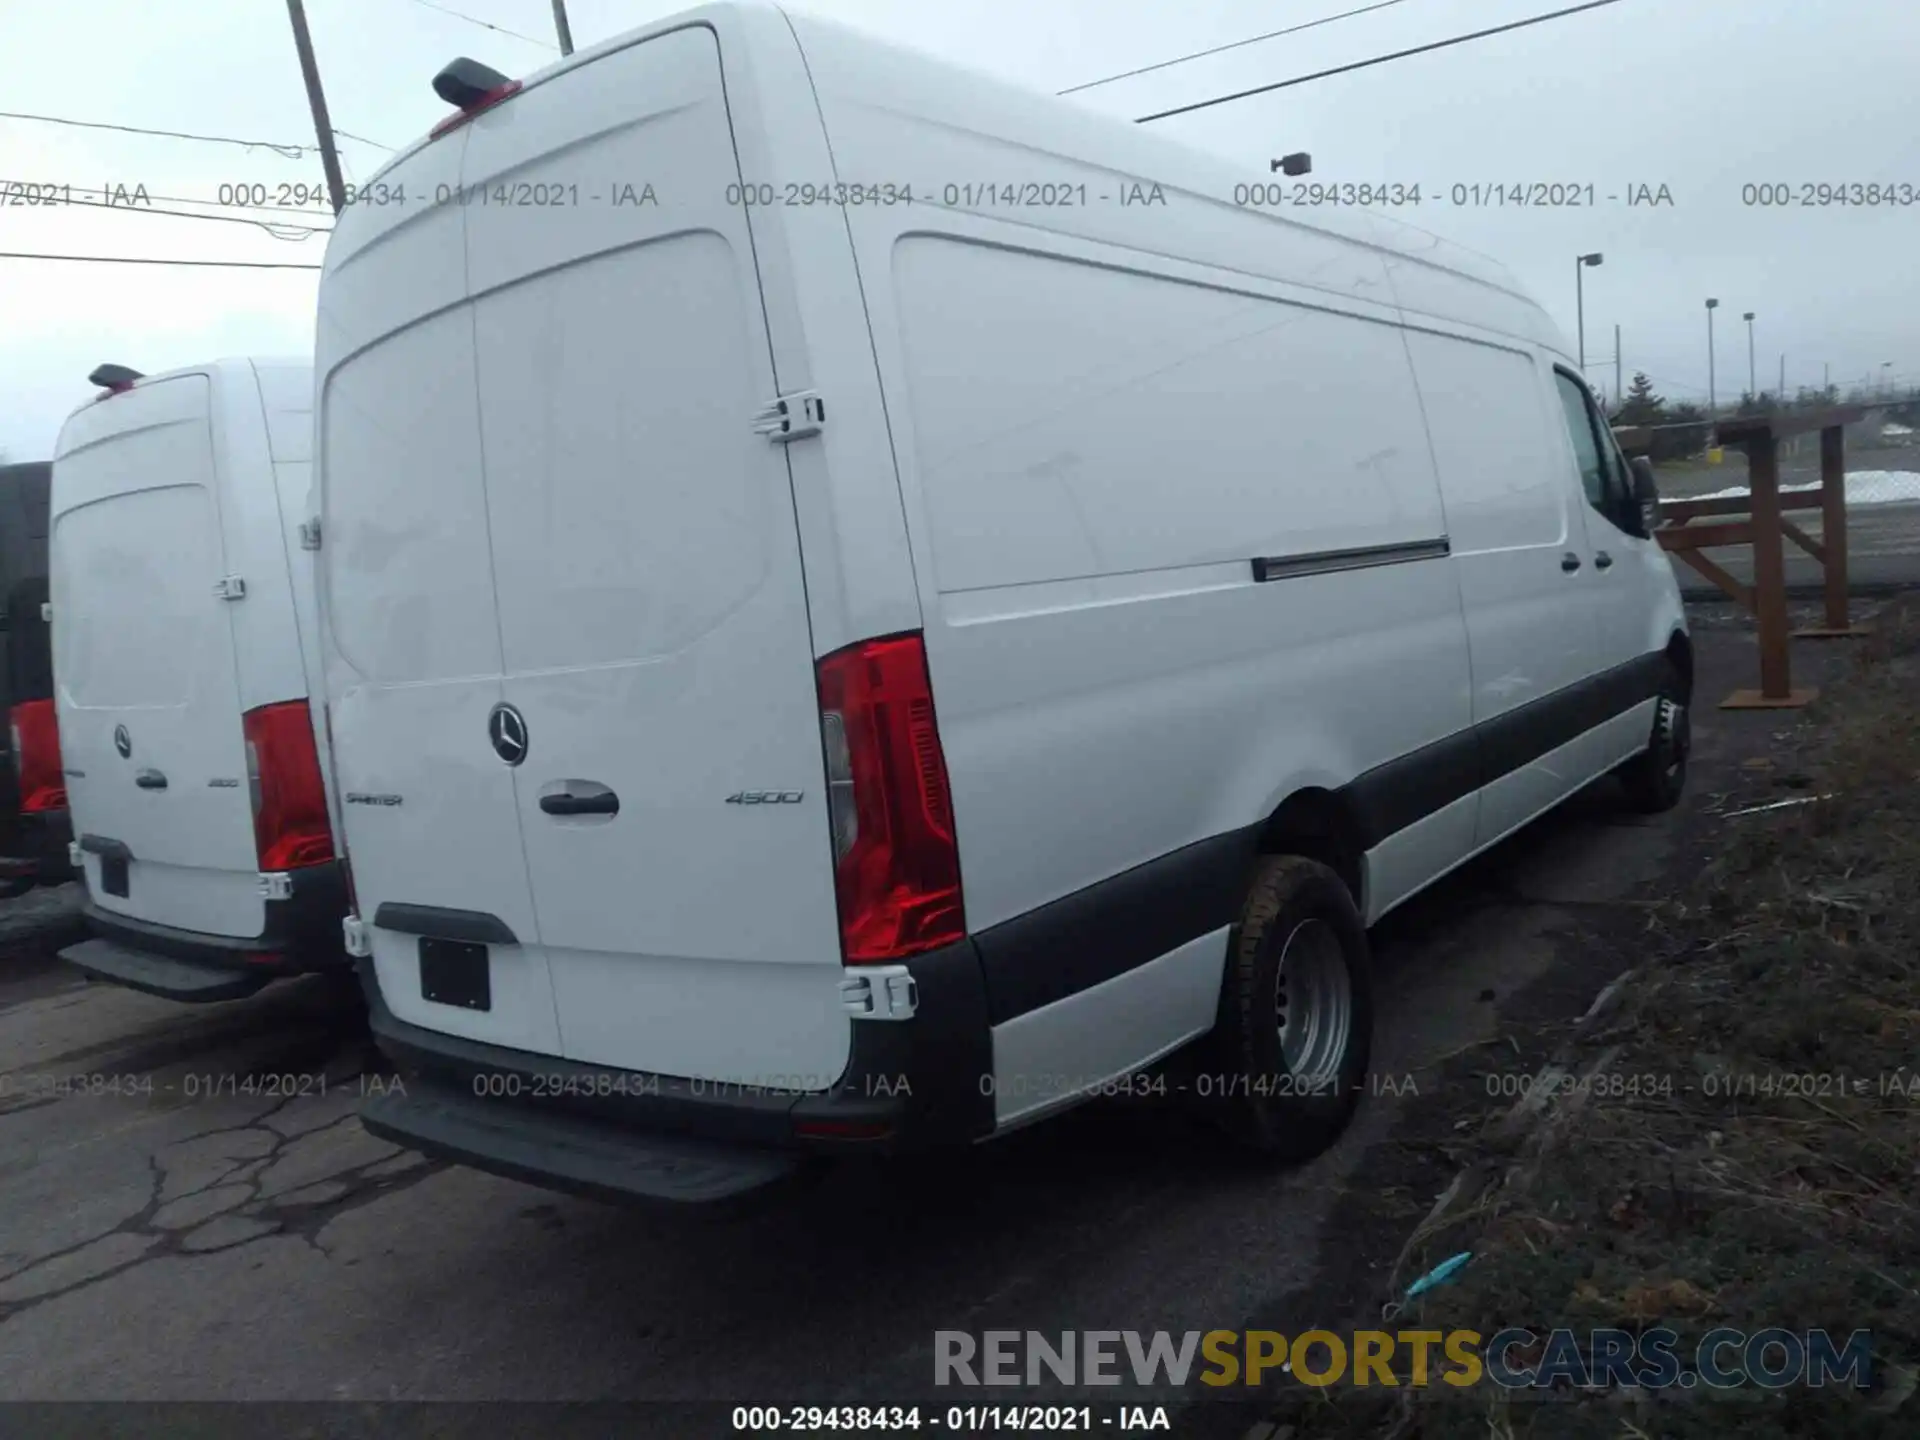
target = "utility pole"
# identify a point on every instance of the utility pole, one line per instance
(560, 24)
(322, 126)
(1619, 390)
(1782, 392)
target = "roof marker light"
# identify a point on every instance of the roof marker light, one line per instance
(114, 379)
(470, 87)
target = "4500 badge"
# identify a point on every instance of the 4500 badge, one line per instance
(766, 797)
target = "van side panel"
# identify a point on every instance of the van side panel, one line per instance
(1515, 516)
(1102, 455)
(1098, 434)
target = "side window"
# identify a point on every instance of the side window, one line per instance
(1586, 453)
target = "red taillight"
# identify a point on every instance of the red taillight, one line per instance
(290, 826)
(36, 757)
(492, 97)
(896, 866)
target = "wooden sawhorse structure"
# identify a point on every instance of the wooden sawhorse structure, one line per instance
(1766, 599)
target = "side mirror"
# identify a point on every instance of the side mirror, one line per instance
(1646, 493)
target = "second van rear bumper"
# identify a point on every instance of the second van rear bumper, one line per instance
(909, 1085)
(301, 934)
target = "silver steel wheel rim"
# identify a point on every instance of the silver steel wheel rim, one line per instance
(1671, 727)
(1313, 1001)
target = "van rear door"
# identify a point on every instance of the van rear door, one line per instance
(653, 625)
(410, 637)
(149, 706)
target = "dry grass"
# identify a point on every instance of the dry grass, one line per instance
(1767, 1172)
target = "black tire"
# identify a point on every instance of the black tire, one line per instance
(1656, 778)
(1246, 1084)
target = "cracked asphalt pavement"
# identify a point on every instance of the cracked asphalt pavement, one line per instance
(190, 1210)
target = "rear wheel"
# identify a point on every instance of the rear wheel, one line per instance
(1656, 778)
(1289, 1054)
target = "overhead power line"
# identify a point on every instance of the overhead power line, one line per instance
(1376, 60)
(292, 152)
(487, 25)
(152, 260)
(272, 227)
(349, 135)
(22, 187)
(1230, 45)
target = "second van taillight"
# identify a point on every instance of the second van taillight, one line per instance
(896, 866)
(36, 757)
(290, 826)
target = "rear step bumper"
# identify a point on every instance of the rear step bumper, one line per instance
(568, 1152)
(301, 935)
(159, 975)
(909, 1085)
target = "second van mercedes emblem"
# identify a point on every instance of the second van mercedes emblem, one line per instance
(507, 729)
(122, 741)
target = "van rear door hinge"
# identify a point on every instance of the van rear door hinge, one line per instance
(791, 417)
(46, 611)
(310, 534)
(232, 587)
(879, 992)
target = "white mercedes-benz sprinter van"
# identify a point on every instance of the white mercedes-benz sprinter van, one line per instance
(863, 606)
(182, 598)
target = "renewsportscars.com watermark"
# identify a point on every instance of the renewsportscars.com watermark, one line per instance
(1515, 1359)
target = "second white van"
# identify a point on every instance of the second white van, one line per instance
(863, 606)
(183, 605)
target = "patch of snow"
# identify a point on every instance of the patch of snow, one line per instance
(1894, 428)
(1864, 487)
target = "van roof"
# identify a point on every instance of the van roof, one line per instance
(882, 75)
(285, 383)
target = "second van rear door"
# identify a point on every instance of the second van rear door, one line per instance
(654, 637)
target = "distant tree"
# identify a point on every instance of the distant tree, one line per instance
(1641, 406)
(1682, 434)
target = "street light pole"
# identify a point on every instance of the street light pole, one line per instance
(1753, 379)
(1619, 390)
(1712, 305)
(1580, 301)
(564, 30)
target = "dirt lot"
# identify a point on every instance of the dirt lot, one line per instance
(1737, 1139)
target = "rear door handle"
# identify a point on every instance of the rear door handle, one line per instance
(150, 780)
(579, 797)
(1569, 562)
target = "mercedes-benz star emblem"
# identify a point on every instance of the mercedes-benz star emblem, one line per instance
(122, 741)
(507, 729)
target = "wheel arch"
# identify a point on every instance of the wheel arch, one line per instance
(1680, 654)
(1321, 825)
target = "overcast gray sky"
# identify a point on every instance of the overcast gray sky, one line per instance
(1701, 96)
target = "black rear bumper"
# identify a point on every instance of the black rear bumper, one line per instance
(301, 934)
(909, 1085)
